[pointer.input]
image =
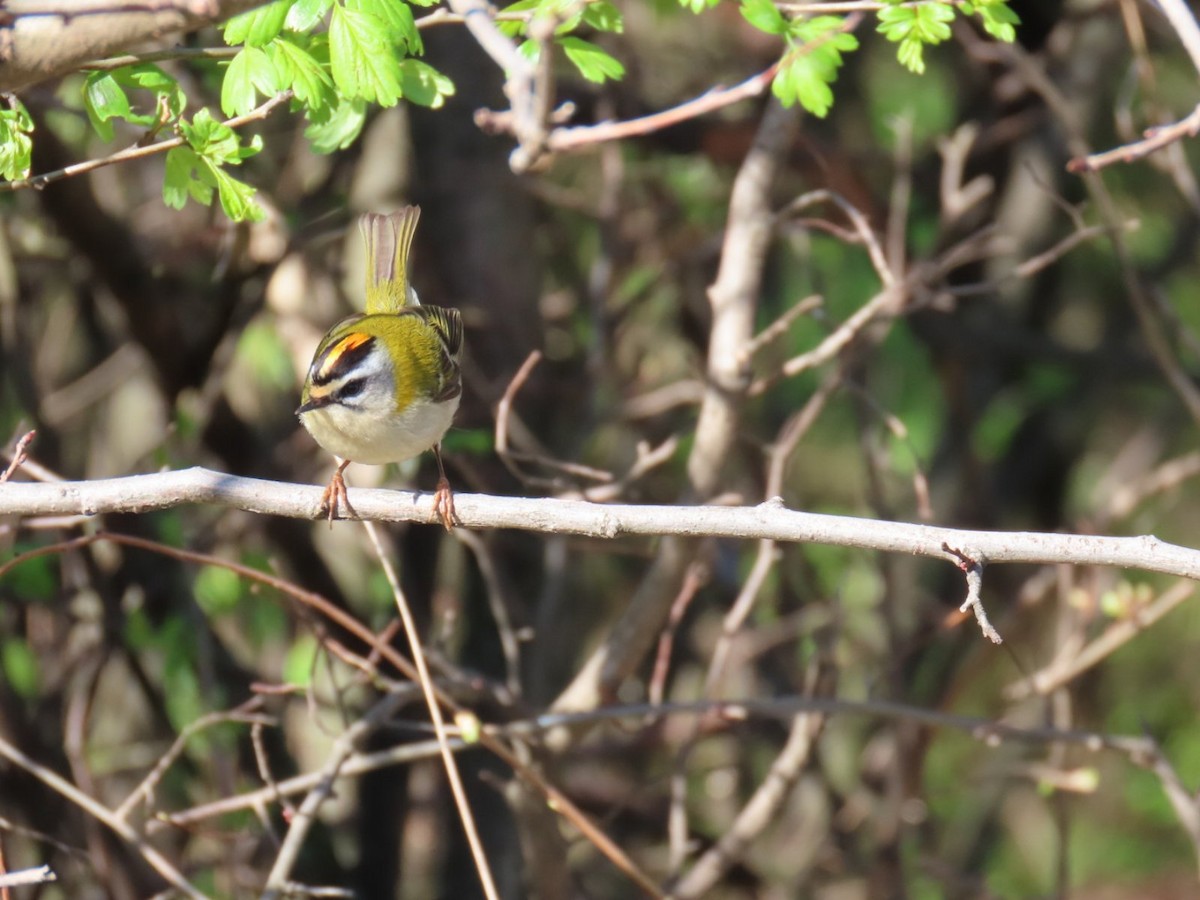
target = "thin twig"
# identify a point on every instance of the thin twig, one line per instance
(565, 140)
(1153, 140)
(509, 645)
(435, 714)
(279, 878)
(164, 867)
(38, 182)
(24, 877)
(758, 812)
(20, 454)
(145, 790)
(1113, 638)
(971, 561)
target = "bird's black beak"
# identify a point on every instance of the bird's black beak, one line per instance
(313, 403)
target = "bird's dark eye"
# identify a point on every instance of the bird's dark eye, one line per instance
(351, 388)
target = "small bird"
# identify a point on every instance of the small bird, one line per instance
(384, 385)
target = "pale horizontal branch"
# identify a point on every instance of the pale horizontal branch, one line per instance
(767, 521)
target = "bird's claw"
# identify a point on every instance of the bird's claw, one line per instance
(443, 504)
(335, 496)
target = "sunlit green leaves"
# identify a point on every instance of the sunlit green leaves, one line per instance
(106, 97)
(305, 15)
(395, 23)
(811, 63)
(250, 73)
(815, 45)
(603, 16)
(423, 84)
(297, 65)
(590, 60)
(363, 63)
(257, 27)
(340, 129)
(197, 169)
(16, 147)
(914, 28)
(765, 16)
(593, 63)
(998, 20)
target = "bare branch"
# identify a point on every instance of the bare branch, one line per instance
(153, 857)
(758, 812)
(527, 85)
(971, 562)
(733, 298)
(23, 877)
(40, 41)
(19, 455)
(769, 520)
(1119, 633)
(567, 139)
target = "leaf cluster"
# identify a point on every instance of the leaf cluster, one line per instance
(590, 59)
(335, 58)
(814, 45)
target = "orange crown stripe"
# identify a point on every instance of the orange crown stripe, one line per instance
(346, 345)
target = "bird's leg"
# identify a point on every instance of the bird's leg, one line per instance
(443, 497)
(335, 494)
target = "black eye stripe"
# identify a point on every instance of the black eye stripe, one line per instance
(341, 357)
(351, 388)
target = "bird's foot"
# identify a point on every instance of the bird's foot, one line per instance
(443, 503)
(335, 496)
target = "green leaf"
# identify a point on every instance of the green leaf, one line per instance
(424, 85)
(298, 69)
(399, 27)
(20, 667)
(300, 661)
(237, 197)
(197, 170)
(249, 74)
(698, 6)
(307, 14)
(593, 63)
(150, 77)
(914, 28)
(218, 590)
(338, 129)
(998, 20)
(362, 60)
(530, 49)
(765, 16)
(208, 136)
(258, 27)
(180, 180)
(811, 64)
(801, 80)
(603, 16)
(517, 28)
(104, 99)
(16, 147)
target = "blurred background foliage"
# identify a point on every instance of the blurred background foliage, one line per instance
(137, 337)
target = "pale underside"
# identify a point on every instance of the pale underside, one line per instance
(379, 439)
